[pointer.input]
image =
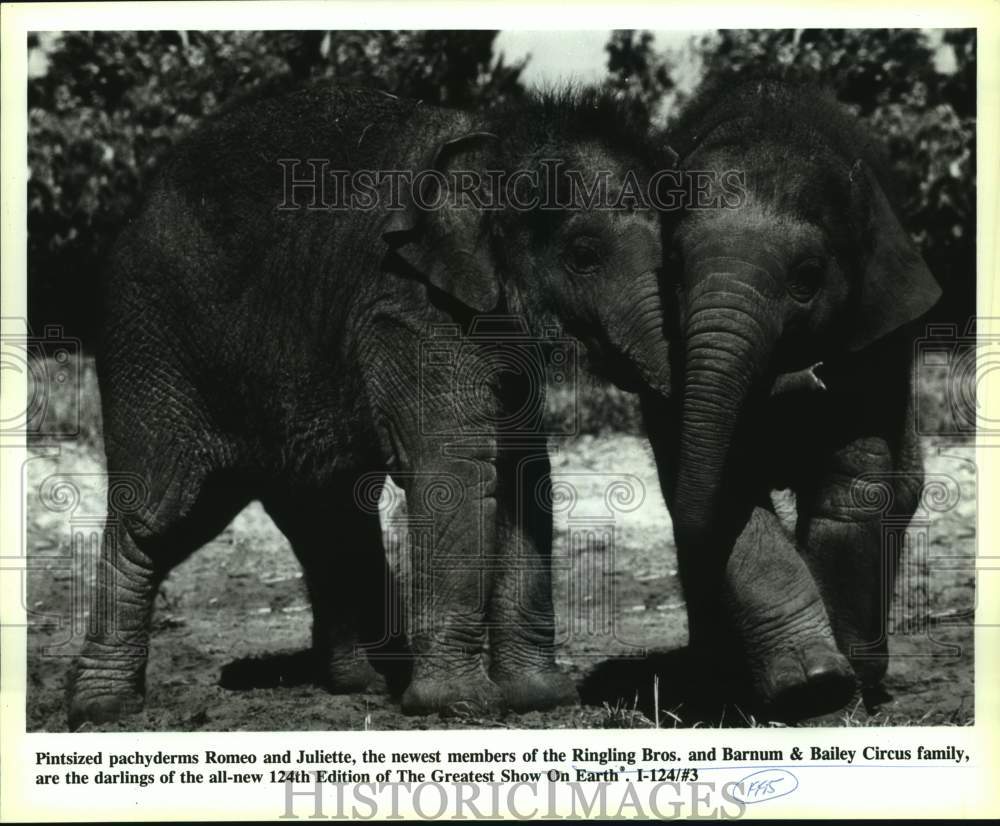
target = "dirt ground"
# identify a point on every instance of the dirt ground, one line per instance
(239, 605)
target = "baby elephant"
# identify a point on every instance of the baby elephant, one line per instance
(293, 315)
(810, 265)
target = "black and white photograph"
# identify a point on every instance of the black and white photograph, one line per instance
(467, 378)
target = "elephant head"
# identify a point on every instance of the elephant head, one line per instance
(812, 265)
(535, 212)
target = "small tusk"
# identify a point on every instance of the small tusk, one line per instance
(798, 380)
(818, 383)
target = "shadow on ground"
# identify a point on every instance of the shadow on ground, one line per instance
(688, 696)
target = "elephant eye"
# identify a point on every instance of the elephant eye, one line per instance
(806, 279)
(583, 256)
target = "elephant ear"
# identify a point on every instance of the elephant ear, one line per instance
(896, 287)
(448, 246)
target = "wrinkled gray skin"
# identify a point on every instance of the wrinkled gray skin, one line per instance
(250, 352)
(813, 266)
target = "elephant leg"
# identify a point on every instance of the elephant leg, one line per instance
(521, 618)
(762, 610)
(851, 534)
(107, 680)
(771, 599)
(357, 616)
(452, 526)
(765, 613)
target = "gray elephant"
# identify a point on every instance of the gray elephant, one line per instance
(811, 266)
(268, 335)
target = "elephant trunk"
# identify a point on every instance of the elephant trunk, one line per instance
(729, 341)
(653, 352)
(639, 336)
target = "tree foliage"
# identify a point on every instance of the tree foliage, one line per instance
(110, 103)
(637, 72)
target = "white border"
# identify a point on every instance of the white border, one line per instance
(837, 793)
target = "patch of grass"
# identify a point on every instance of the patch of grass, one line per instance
(856, 716)
(621, 716)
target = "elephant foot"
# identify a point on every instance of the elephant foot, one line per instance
(782, 627)
(350, 674)
(804, 681)
(394, 662)
(397, 671)
(106, 708)
(473, 695)
(795, 669)
(100, 696)
(874, 697)
(393, 659)
(870, 661)
(537, 690)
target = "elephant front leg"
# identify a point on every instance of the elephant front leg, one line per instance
(851, 521)
(452, 516)
(521, 617)
(752, 604)
(771, 598)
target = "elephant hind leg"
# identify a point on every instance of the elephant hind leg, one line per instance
(107, 680)
(851, 533)
(357, 618)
